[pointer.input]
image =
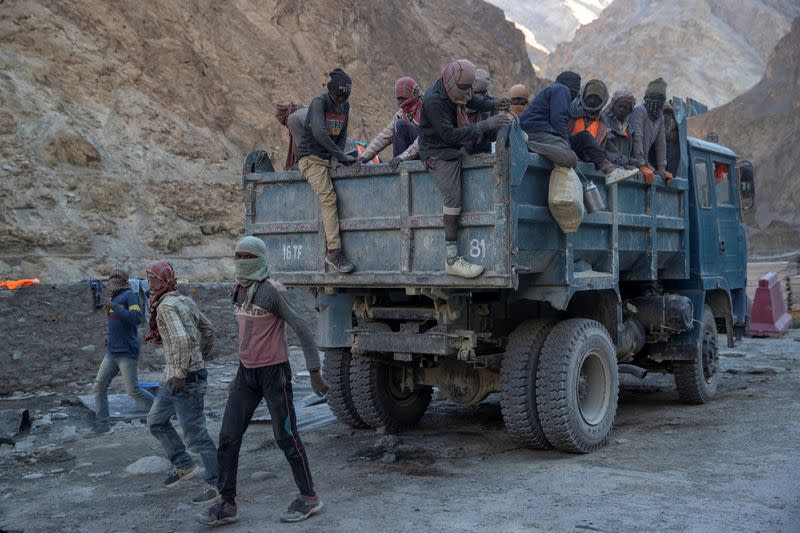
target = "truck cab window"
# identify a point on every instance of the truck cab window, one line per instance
(722, 173)
(701, 183)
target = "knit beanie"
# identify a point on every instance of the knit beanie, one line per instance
(482, 80)
(597, 88)
(656, 88)
(572, 80)
(341, 84)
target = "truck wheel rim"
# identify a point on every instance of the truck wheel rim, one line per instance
(395, 388)
(592, 387)
(710, 357)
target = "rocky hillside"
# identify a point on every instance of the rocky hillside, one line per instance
(763, 125)
(711, 50)
(123, 124)
(547, 23)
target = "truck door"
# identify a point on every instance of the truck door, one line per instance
(732, 241)
(708, 232)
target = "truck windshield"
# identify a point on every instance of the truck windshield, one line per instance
(723, 183)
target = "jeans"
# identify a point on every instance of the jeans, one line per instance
(110, 367)
(274, 384)
(188, 407)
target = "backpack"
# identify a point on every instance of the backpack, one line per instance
(257, 161)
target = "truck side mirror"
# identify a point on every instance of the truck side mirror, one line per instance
(747, 185)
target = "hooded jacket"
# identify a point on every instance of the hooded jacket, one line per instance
(648, 134)
(548, 112)
(439, 137)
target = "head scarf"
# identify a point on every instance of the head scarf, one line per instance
(282, 112)
(619, 96)
(457, 72)
(408, 89)
(249, 272)
(163, 273)
(482, 81)
(596, 88)
(341, 84)
(653, 105)
(572, 81)
(118, 281)
(518, 91)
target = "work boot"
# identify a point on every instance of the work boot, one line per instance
(207, 497)
(301, 508)
(220, 513)
(101, 429)
(181, 474)
(337, 261)
(458, 266)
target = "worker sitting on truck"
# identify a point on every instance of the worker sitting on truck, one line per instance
(323, 139)
(564, 131)
(672, 137)
(619, 140)
(444, 129)
(481, 144)
(293, 117)
(519, 95)
(648, 131)
(403, 130)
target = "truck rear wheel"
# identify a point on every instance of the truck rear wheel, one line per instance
(340, 399)
(697, 380)
(380, 399)
(518, 375)
(577, 385)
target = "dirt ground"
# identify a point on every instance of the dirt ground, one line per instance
(732, 465)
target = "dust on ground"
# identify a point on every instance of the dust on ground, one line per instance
(731, 465)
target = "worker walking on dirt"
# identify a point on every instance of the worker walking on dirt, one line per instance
(323, 141)
(649, 136)
(187, 336)
(122, 349)
(444, 129)
(264, 373)
(403, 130)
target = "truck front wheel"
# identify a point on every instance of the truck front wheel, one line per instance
(697, 380)
(577, 385)
(340, 399)
(380, 399)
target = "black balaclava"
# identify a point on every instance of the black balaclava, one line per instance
(572, 80)
(341, 84)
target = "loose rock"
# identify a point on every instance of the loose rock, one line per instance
(152, 464)
(261, 475)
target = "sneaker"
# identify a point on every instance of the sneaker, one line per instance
(220, 513)
(463, 268)
(301, 508)
(178, 474)
(619, 174)
(207, 497)
(340, 263)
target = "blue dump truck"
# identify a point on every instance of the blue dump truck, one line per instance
(644, 285)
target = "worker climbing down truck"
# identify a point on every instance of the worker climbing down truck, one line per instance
(644, 284)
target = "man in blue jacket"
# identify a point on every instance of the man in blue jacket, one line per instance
(122, 349)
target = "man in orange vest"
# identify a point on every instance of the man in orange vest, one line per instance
(588, 131)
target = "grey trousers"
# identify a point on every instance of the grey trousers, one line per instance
(553, 148)
(446, 175)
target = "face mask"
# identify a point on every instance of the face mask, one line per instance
(250, 270)
(653, 107)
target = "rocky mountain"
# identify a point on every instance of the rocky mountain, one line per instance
(763, 125)
(711, 50)
(547, 23)
(123, 124)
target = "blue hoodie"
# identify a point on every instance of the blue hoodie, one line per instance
(123, 321)
(548, 112)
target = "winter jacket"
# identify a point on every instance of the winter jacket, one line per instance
(648, 134)
(439, 136)
(548, 112)
(619, 143)
(384, 139)
(123, 321)
(325, 131)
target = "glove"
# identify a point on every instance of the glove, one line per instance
(649, 176)
(494, 123)
(666, 175)
(502, 104)
(394, 163)
(318, 384)
(176, 385)
(349, 160)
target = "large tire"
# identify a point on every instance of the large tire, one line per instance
(577, 385)
(518, 375)
(380, 401)
(697, 380)
(340, 399)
